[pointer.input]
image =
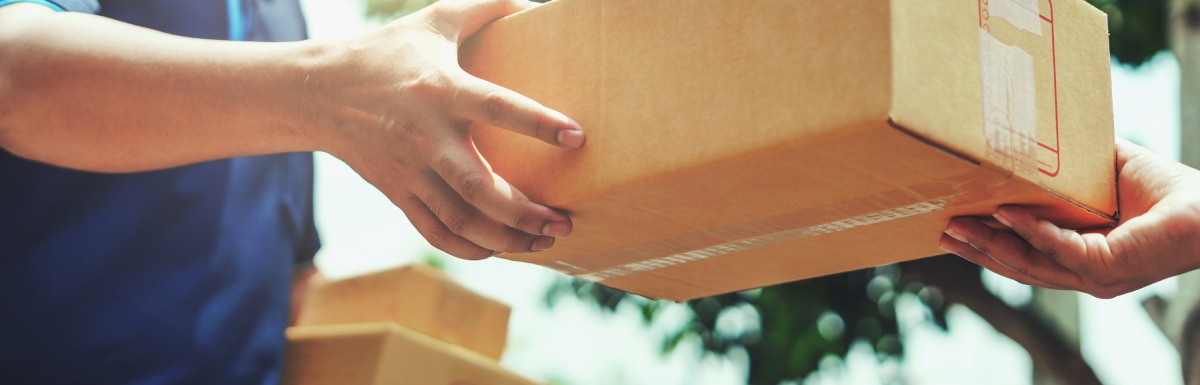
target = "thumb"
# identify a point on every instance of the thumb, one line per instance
(1127, 150)
(468, 16)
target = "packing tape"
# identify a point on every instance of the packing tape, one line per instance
(769, 239)
(894, 204)
(1009, 104)
(1023, 14)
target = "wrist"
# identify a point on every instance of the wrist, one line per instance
(309, 86)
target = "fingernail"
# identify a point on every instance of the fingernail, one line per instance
(570, 138)
(1003, 219)
(955, 235)
(572, 123)
(556, 229)
(542, 243)
(495, 253)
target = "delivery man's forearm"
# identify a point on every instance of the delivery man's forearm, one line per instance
(86, 92)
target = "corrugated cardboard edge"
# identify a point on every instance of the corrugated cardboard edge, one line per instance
(1114, 217)
(387, 332)
(493, 313)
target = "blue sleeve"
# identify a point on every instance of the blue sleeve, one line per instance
(85, 6)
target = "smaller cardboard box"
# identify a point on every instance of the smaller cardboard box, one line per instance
(384, 353)
(419, 297)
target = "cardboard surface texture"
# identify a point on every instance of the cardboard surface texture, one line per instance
(734, 145)
(418, 297)
(383, 353)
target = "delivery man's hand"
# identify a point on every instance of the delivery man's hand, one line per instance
(1158, 235)
(401, 106)
(394, 104)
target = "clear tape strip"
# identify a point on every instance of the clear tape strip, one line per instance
(1009, 104)
(769, 239)
(1023, 14)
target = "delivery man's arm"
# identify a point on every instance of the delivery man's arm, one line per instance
(90, 93)
(1158, 236)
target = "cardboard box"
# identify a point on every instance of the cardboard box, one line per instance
(418, 297)
(383, 353)
(733, 145)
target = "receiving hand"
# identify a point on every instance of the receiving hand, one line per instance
(397, 106)
(1158, 235)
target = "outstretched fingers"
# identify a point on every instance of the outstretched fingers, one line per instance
(968, 252)
(436, 232)
(470, 222)
(1012, 253)
(490, 104)
(464, 170)
(1065, 247)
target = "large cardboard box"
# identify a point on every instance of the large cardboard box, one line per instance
(418, 297)
(738, 144)
(384, 353)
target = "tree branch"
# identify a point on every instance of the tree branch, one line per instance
(960, 282)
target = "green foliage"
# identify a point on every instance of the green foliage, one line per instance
(1138, 28)
(789, 327)
(435, 259)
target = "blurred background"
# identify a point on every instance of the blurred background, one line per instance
(934, 321)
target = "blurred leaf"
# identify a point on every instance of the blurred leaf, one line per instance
(673, 340)
(649, 310)
(437, 260)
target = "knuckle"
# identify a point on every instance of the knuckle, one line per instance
(439, 239)
(522, 221)
(446, 167)
(458, 222)
(990, 235)
(434, 205)
(430, 84)
(517, 244)
(1050, 251)
(438, 11)
(497, 106)
(472, 185)
(1027, 251)
(442, 19)
(407, 129)
(539, 129)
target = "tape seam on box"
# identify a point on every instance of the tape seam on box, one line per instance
(1009, 98)
(770, 239)
(1023, 14)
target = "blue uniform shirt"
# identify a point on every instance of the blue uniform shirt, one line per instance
(172, 276)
